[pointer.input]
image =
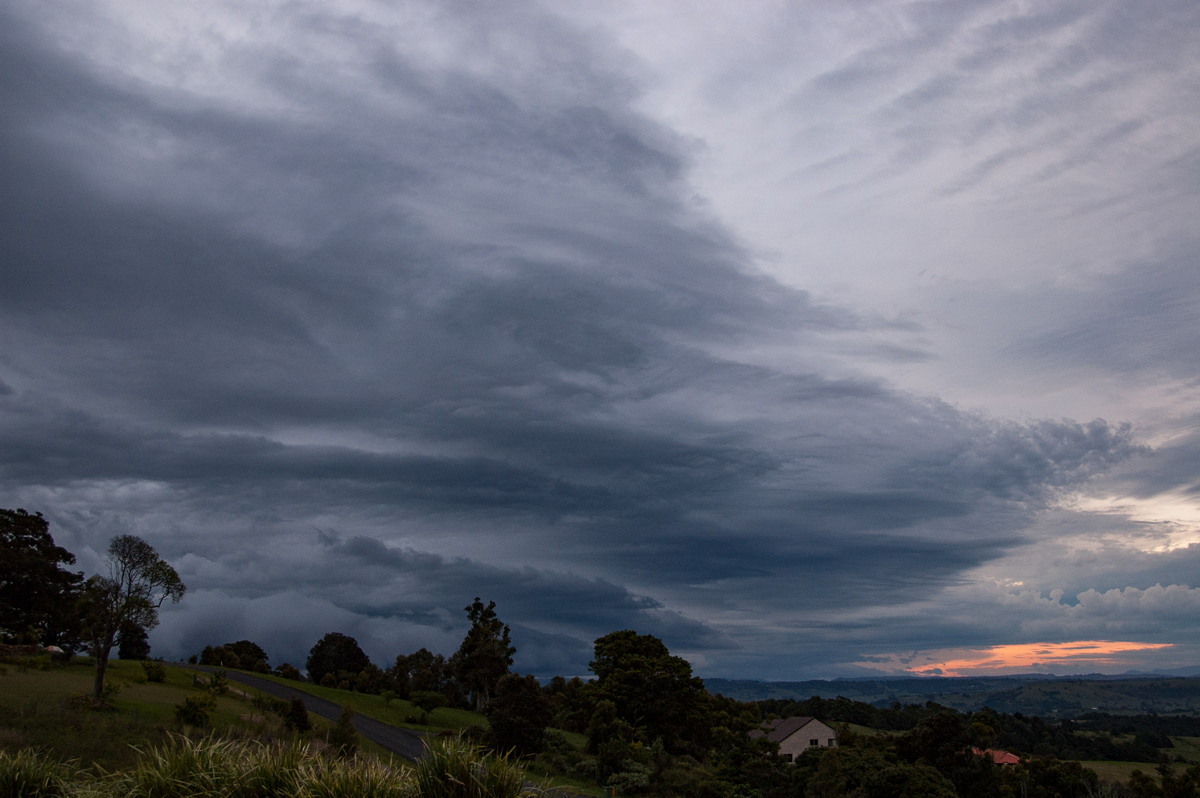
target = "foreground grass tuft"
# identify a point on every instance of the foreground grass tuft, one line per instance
(222, 768)
(454, 768)
(31, 774)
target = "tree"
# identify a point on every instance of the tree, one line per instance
(138, 583)
(518, 715)
(37, 594)
(335, 655)
(132, 642)
(420, 670)
(485, 654)
(652, 690)
(242, 654)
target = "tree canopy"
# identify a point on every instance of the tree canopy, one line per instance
(518, 715)
(485, 655)
(652, 691)
(338, 655)
(244, 654)
(37, 593)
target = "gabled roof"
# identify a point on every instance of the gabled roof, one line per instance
(782, 728)
(997, 756)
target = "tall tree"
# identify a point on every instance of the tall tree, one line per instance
(138, 583)
(518, 715)
(485, 655)
(420, 670)
(37, 594)
(335, 654)
(652, 690)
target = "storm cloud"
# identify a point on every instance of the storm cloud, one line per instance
(356, 312)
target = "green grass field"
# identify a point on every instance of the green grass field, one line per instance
(40, 708)
(44, 707)
(395, 712)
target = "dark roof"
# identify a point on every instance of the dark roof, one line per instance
(782, 728)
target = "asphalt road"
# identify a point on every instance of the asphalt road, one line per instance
(402, 742)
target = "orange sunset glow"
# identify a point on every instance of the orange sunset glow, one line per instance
(1025, 656)
(1078, 657)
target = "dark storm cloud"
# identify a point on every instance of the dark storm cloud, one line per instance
(470, 325)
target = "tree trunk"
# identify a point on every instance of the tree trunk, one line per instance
(101, 667)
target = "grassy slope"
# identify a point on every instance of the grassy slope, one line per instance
(36, 711)
(1186, 748)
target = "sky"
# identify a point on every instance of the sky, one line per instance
(816, 339)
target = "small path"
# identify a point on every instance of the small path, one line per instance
(402, 742)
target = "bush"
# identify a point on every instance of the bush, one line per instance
(155, 671)
(342, 737)
(195, 710)
(289, 671)
(219, 683)
(426, 701)
(295, 717)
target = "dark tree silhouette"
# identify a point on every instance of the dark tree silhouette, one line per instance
(335, 655)
(38, 596)
(518, 715)
(485, 655)
(652, 690)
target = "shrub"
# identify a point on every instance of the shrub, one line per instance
(289, 671)
(219, 683)
(155, 671)
(427, 701)
(295, 717)
(195, 710)
(342, 737)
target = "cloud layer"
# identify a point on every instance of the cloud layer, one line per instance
(356, 312)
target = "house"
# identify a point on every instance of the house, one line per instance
(797, 734)
(999, 757)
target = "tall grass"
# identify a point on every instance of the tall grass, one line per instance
(454, 768)
(31, 774)
(216, 768)
(211, 768)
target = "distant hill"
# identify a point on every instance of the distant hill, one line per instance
(1039, 695)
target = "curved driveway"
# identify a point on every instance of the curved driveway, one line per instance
(402, 742)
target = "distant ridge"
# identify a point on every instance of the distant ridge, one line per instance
(1031, 694)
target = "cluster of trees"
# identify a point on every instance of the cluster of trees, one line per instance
(243, 654)
(41, 601)
(1096, 736)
